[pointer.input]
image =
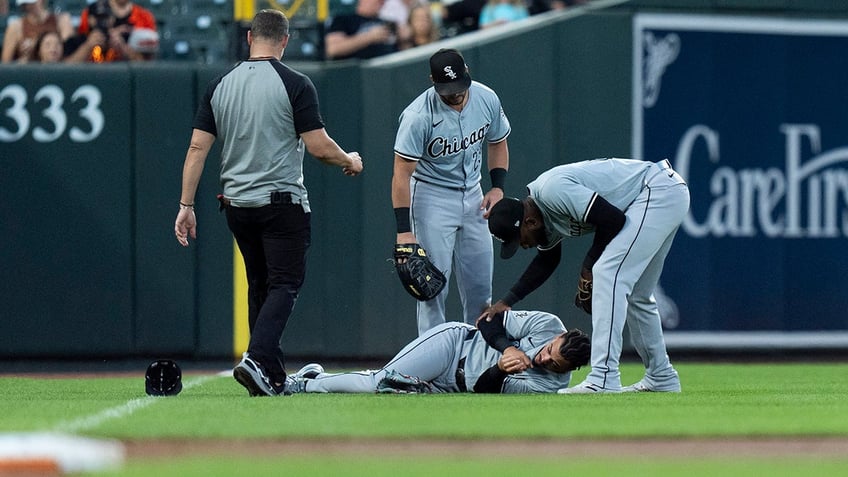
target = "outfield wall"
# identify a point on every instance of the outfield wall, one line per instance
(91, 157)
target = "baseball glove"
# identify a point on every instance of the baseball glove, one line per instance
(583, 299)
(396, 383)
(420, 278)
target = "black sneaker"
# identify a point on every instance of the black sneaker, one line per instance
(251, 375)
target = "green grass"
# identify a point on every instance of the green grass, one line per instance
(719, 401)
(514, 467)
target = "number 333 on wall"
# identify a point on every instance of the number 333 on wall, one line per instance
(49, 104)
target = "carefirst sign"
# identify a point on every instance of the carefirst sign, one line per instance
(753, 112)
(805, 199)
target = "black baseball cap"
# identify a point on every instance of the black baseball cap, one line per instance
(163, 378)
(505, 224)
(449, 72)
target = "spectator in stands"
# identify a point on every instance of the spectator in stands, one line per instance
(362, 34)
(422, 28)
(535, 7)
(22, 33)
(500, 12)
(48, 48)
(4, 7)
(117, 20)
(397, 11)
(462, 16)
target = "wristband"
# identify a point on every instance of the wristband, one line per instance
(498, 177)
(402, 219)
(186, 206)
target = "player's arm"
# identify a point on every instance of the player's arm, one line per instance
(498, 157)
(537, 273)
(401, 201)
(608, 221)
(512, 359)
(325, 149)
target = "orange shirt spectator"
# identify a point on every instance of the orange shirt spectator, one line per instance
(117, 19)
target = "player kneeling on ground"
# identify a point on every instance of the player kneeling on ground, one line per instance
(515, 352)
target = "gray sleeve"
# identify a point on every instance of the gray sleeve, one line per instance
(500, 128)
(411, 138)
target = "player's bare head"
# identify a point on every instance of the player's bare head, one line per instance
(450, 75)
(270, 25)
(576, 348)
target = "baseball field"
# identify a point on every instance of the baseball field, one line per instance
(775, 419)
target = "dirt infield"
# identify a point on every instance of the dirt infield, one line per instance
(807, 447)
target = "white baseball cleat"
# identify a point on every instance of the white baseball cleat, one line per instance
(296, 383)
(310, 371)
(586, 388)
(643, 387)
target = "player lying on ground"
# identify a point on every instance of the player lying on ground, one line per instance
(516, 352)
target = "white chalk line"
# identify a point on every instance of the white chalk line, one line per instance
(86, 423)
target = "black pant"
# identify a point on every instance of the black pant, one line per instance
(273, 241)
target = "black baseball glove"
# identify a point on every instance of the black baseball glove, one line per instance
(583, 299)
(420, 278)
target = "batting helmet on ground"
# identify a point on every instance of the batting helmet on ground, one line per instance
(163, 378)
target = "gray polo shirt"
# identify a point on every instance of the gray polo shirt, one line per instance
(259, 108)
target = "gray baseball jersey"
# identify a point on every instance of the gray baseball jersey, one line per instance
(435, 356)
(448, 144)
(446, 195)
(654, 200)
(565, 193)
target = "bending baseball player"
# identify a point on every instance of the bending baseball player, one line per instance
(634, 209)
(515, 352)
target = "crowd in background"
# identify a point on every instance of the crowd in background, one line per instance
(120, 30)
(108, 30)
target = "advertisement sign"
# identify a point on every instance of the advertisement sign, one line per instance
(753, 112)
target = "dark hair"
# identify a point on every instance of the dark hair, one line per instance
(576, 348)
(270, 24)
(35, 55)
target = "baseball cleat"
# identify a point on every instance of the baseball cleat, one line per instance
(250, 374)
(310, 371)
(296, 383)
(586, 388)
(643, 387)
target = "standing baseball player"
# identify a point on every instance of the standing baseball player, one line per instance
(436, 191)
(267, 116)
(634, 209)
(516, 352)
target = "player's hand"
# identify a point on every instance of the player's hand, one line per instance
(185, 226)
(514, 361)
(491, 198)
(355, 166)
(493, 310)
(406, 237)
